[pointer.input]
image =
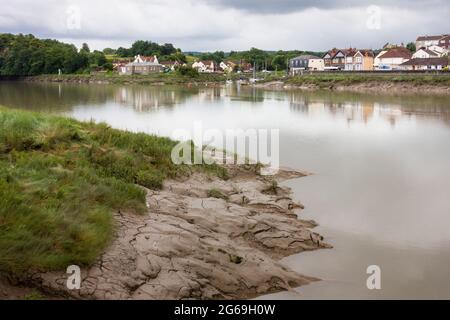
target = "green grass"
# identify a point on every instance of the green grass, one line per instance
(61, 180)
(34, 295)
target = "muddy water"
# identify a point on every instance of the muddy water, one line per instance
(381, 164)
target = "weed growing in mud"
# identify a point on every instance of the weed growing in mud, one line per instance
(215, 193)
(60, 181)
(272, 188)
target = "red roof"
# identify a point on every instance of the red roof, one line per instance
(148, 59)
(398, 52)
(427, 62)
(430, 38)
(367, 52)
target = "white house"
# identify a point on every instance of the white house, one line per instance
(425, 64)
(427, 41)
(425, 54)
(141, 65)
(227, 66)
(377, 61)
(392, 58)
(439, 50)
(143, 59)
(305, 62)
(205, 66)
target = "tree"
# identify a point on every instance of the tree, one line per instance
(85, 48)
(26, 55)
(411, 47)
(97, 58)
(217, 56)
(279, 62)
(124, 53)
(109, 51)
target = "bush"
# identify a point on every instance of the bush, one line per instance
(187, 71)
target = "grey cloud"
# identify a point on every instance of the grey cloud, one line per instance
(248, 24)
(287, 6)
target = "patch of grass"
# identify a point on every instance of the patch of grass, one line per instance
(215, 193)
(34, 295)
(60, 181)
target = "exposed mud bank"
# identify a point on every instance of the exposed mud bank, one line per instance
(384, 87)
(192, 246)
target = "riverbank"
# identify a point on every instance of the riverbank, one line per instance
(157, 79)
(353, 82)
(371, 83)
(140, 227)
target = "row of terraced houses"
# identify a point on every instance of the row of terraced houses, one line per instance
(431, 54)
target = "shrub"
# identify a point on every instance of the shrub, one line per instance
(187, 71)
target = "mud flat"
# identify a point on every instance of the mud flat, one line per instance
(202, 238)
(385, 87)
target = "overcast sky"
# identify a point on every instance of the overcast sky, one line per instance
(209, 25)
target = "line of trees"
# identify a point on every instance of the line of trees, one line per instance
(148, 48)
(24, 55)
(276, 60)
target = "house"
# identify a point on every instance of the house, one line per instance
(142, 65)
(119, 65)
(316, 64)
(444, 42)
(334, 59)
(245, 66)
(439, 40)
(391, 59)
(376, 61)
(170, 65)
(207, 66)
(143, 59)
(305, 62)
(227, 66)
(425, 54)
(425, 64)
(440, 50)
(359, 60)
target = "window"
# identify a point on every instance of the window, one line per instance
(358, 59)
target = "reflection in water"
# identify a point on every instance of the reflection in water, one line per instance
(380, 192)
(358, 107)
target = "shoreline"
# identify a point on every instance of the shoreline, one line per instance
(417, 84)
(384, 87)
(191, 245)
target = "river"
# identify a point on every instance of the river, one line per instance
(381, 184)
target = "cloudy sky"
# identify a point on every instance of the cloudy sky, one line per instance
(209, 25)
